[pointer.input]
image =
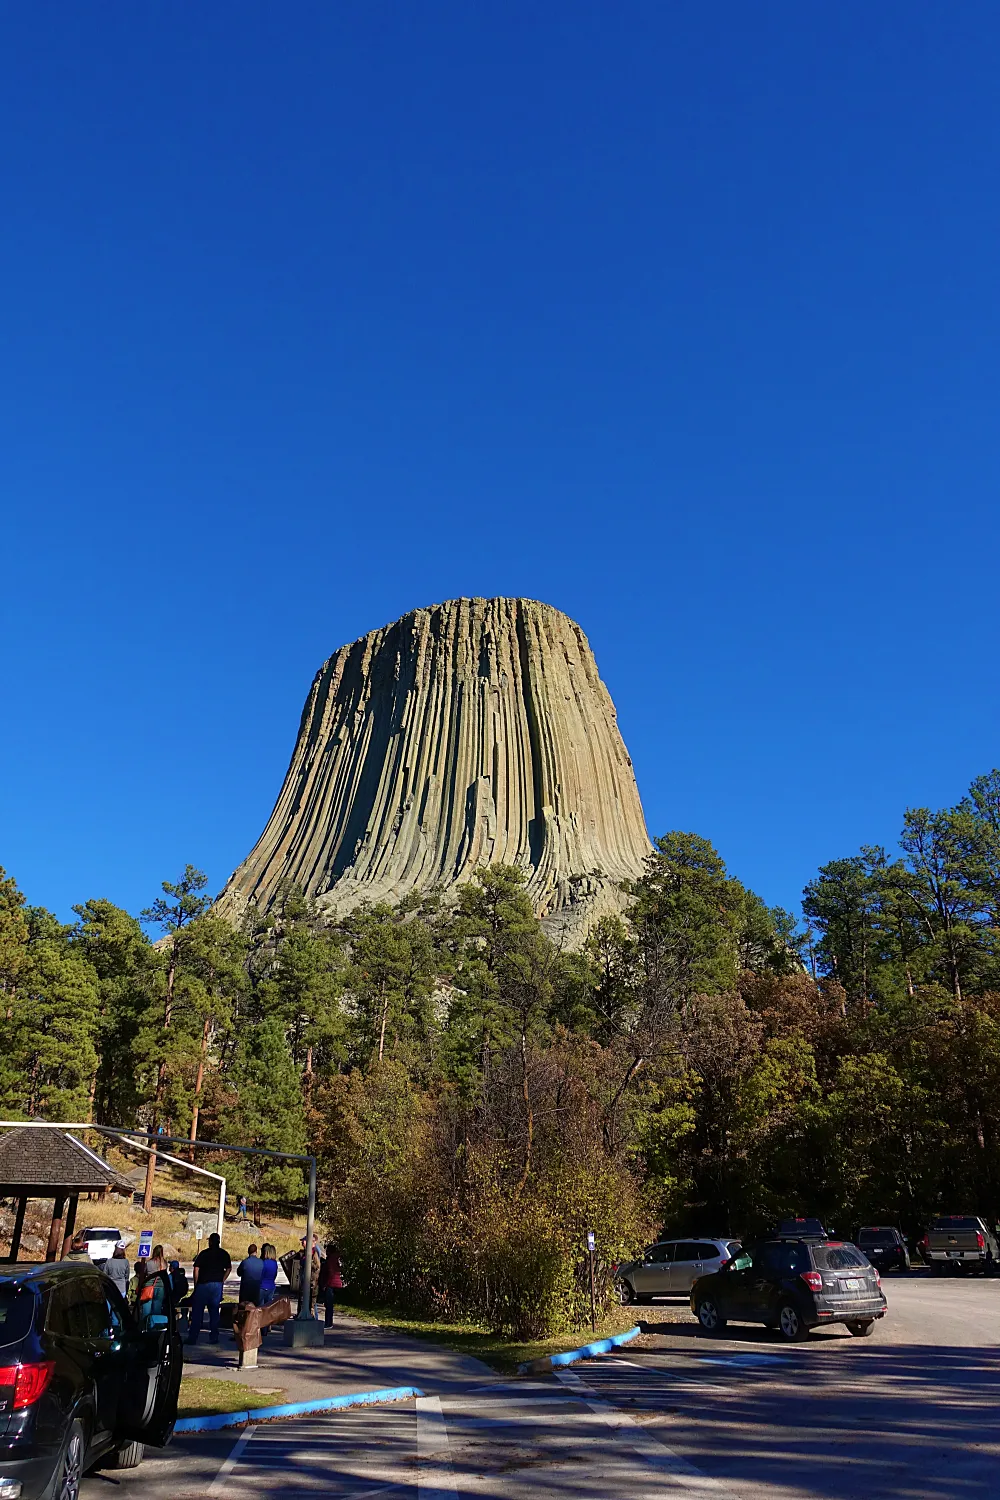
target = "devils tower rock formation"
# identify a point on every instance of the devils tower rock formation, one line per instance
(470, 733)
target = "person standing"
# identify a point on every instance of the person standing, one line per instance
(116, 1269)
(78, 1249)
(250, 1270)
(241, 1209)
(268, 1275)
(211, 1268)
(331, 1279)
(178, 1281)
(151, 1304)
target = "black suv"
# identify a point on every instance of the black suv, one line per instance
(884, 1247)
(83, 1379)
(791, 1285)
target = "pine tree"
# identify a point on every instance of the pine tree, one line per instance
(128, 970)
(186, 903)
(265, 1109)
(50, 1050)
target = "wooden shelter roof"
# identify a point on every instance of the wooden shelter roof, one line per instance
(50, 1163)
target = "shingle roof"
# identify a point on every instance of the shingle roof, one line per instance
(46, 1160)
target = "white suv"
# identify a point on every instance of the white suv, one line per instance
(101, 1242)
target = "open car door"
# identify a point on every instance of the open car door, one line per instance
(147, 1409)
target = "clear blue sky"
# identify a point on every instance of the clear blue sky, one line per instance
(683, 318)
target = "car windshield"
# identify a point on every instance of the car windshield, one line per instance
(877, 1237)
(838, 1257)
(955, 1223)
(16, 1308)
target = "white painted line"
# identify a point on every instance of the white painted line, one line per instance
(435, 1476)
(682, 1477)
(746, 1361)
(512, 1385)
(219, 1482)
(679, 1377)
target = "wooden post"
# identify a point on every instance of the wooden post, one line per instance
(15, 1239)
(70, 1225)
(147, 1192)
(55, 1233)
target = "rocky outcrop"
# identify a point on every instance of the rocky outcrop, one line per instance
(469, 733)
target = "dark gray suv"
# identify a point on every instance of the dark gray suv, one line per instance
(85, 1378)
(793, 1286)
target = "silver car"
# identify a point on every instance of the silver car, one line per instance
(671, 1267)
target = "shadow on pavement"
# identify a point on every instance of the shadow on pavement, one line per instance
(897, 1422)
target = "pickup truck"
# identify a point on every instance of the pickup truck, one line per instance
(960, 1241)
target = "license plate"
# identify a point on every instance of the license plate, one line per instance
(955, 1254)
(855, 1283)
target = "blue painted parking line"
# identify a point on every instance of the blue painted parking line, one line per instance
(296, 1408)
(588, 1351)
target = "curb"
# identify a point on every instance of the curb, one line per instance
(295, 1409)
(602, 1346)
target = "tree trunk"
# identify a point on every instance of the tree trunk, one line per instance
(385, 1012)
(161, 1078)
(147, 1194)
(607, 1127)
(529, 1116)
(198, 1081)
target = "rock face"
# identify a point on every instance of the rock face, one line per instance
(469, 733)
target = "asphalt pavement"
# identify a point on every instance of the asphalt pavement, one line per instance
(908, 1414)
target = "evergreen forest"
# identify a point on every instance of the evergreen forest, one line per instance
(478, 1099)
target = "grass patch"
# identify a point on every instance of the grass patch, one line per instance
(494, 1349)
(203, 1397)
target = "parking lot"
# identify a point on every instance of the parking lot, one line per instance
(907, 1414)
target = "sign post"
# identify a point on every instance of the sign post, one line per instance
(593, 1292)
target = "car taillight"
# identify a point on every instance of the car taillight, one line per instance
(878, 1279)
(980, 1242)
(29, 1381)
(813, 1280)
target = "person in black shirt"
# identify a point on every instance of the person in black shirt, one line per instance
(211, 1268)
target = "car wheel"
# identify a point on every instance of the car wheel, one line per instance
(69, 1473)
(709, 1316)
(128, 1456)
(790, 1324)
(860, 1327)
(626, 1293)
